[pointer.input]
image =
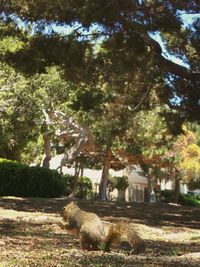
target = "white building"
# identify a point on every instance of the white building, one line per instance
(138, 183)
(170, 185)
(135, 191)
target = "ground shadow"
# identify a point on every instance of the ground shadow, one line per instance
(157, 214)
(45, 233)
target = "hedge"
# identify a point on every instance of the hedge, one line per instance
(17, 179)
(20, 180)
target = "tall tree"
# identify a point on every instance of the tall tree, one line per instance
(125, 28)
(183, 160)
(19, 116)
(107, 51)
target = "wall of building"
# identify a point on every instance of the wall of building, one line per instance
(135, 191)
(169, 185)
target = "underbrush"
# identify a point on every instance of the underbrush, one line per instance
(184, 199)
(189, 200)
(21, 180)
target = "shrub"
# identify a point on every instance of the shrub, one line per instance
(84, 188)
(189, 200)
(167, 195)
(67, 182)
(184, 199)
(119, 182)
(21, 180)
(194, 184)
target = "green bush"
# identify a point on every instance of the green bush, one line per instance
(167, 195)
(84, 188)
(184, 199)
(119, 182)
(67, 181)
(21, 180)
(189, 200)
(194, 184)
(198, 197)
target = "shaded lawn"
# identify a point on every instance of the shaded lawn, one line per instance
(31, 237)
(151, 214)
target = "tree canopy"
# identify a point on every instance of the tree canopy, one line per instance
(94, 40)
(101, 64)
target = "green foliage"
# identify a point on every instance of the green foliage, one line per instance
(3, 160)
(84, 188)
(21, 180)
(167, 195)
(22, 100)
(20, 113)
(18, 179)
(189, 200)
(119, 182)
(194, 184)
(67, 34)
(85, 99)
(184, 199)
(67, 182)
(184, 156)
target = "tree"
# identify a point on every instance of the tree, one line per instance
(125, 28)
(163, 155)
(184, 160)
(109, 58)
(147, 140)
(19, 114)
(23, 102)
(120, 183)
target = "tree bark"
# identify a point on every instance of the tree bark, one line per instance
(121, 195)
(47, 150)
(75, 180)
(176, 189)
(72, 130)
(104, 177)
(150, 191)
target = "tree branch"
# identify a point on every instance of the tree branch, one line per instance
(168, 65)
(165, 64)
(67, 129)
(181, 71)
(143, 98)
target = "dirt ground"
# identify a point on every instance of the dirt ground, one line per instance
(30, 236)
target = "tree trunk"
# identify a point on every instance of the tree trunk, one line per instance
(121, 195)
(176, 189)
(104, 177)
(47, 151)
(150, 191)
(75, 180)
(81, 171)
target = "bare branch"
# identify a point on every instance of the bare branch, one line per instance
(143, 98)
(68, 129)
(4, 89)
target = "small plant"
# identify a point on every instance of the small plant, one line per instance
(189, 200)
(84, 188)
(67, 181)
(167, 195)
(119, 182)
